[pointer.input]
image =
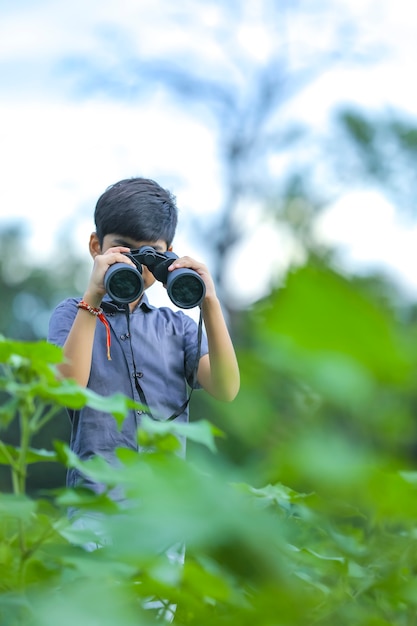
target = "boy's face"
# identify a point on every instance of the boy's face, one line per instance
(111, 241)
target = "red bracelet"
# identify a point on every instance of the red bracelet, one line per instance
(98, 313)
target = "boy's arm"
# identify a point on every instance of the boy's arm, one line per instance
(218, 371)
(78, 347)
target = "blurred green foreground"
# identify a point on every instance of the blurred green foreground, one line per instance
(297, 504)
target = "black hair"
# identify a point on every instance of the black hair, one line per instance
(138, 208)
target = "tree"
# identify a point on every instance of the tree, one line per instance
(379, 152)
(243, 92)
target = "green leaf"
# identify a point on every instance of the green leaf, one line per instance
(275, 494)
(32, 456)
(96, 467)
(20, 507)
(39, 353)
(41, 456)
(323, 313)
(200, 432)
(325, 557)
(88, 601)
(8, 411)
(85, 498)
(70, 395)
(65, 454)
(158, 441)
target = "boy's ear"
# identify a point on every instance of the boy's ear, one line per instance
(94, 245)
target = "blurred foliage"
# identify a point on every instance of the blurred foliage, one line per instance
(378, 150)
(31, 288)
(306, 513)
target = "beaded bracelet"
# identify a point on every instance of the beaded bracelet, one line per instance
(98, 313)
(87, 307)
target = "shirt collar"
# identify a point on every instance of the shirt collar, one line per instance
(145, 304)
(109, 305)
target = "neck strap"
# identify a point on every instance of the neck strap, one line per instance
(139, 389)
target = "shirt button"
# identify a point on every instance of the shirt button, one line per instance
(140, 412)
(139, 374)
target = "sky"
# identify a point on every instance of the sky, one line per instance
(63, 139)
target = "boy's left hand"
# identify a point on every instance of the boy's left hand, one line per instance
(198, 267)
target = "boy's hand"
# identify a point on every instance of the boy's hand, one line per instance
(96, 290)
(198, 267)
(218, 371)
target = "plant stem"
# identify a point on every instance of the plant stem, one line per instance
(25, 434)
(19, 482)
(39, 422)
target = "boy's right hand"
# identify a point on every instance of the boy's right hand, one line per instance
(96, 291)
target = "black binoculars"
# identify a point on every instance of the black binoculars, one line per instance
(124, 283)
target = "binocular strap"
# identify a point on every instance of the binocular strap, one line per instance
(139, 389)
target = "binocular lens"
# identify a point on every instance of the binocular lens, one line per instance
(123, 283)
(186, 289)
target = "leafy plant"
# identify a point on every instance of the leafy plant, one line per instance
(314, 525)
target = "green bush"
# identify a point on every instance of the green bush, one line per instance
(315, 524)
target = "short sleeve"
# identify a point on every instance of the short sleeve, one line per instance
(61, 321)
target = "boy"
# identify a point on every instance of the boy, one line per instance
(153, 350)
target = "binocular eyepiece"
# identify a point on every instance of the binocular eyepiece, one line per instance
(124, 283)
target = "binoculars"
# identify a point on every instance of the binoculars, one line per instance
(124, 283)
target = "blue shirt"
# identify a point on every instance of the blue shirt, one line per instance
(156, 346)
